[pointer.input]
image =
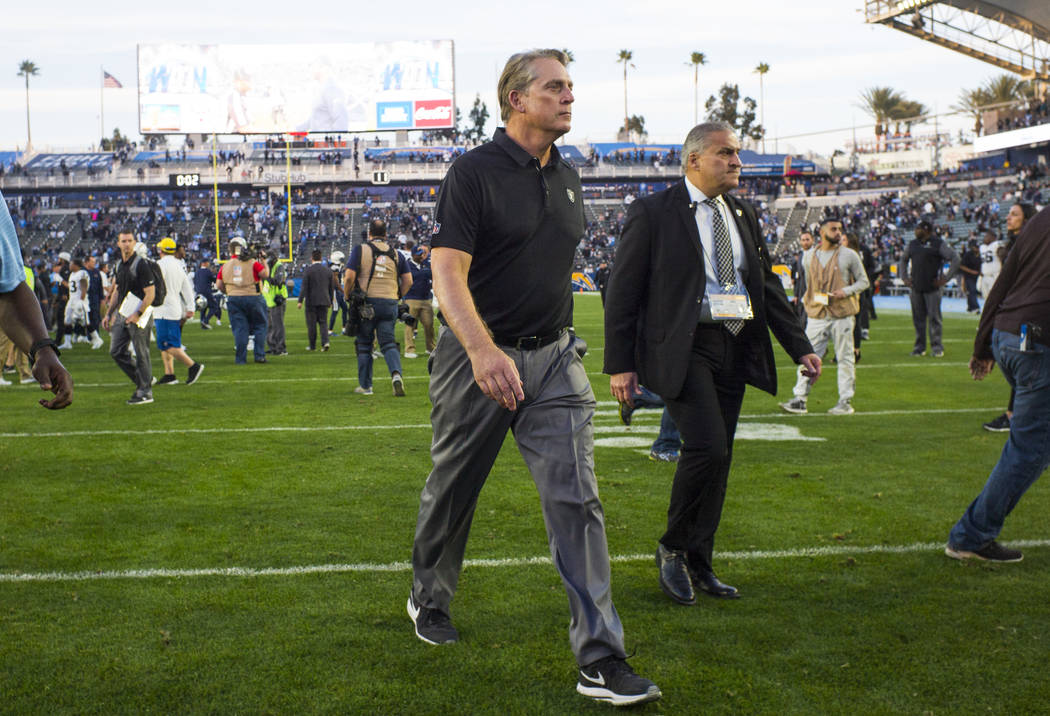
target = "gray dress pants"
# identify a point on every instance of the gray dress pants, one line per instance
(139, 368)
(275, 329)
(927, 305)
(553, 431)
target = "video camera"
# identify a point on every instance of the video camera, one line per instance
(404, 314)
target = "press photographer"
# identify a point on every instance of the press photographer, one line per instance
(382, 275)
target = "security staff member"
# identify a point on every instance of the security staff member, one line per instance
(921, 265)
(239, 279)
(691, 301)
(510, 215)
(275, 292)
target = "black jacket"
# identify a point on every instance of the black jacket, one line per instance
(653, 303)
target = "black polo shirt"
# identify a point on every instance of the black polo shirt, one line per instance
(134, 282)
(521, 224)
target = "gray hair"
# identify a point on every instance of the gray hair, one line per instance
(518, 74)
(699, 137)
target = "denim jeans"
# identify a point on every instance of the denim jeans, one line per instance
(247, 318)
(668, 440)
(381, 327)
(1027, 451)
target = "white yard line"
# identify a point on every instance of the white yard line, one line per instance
(601, 414)
(367, 567)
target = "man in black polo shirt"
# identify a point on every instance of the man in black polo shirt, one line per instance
(920, 270)
(136, 278)
(510, 214)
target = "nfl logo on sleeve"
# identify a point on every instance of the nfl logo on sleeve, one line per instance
(437, 228)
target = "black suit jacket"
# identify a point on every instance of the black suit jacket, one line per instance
(652, 306)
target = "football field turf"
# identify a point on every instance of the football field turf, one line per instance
(242, 546)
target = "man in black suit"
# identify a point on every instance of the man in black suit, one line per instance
(690, 303)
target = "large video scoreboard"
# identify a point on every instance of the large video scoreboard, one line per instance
(269, 89)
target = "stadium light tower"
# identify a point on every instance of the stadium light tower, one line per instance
(1011, 34)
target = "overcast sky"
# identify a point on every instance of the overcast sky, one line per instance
(820, 52)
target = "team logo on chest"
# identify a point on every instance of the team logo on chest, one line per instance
(572, 195)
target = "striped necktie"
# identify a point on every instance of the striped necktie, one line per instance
(723, 258)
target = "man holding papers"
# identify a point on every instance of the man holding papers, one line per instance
(129, 317)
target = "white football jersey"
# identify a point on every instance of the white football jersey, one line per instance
(990, 264)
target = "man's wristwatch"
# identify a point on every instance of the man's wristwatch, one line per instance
(42, 343)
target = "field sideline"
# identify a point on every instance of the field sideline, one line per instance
(241, 546)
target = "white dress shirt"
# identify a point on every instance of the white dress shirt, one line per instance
(704, 219)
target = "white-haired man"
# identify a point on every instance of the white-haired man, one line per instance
(509, 217)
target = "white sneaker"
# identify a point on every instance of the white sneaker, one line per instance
(411, 355)
(4, 381)
(97, 343)
(363, 391)
(28, 381)
(843, 407)
(218, 322)
(82, 339)
(796, 406)
(66, 345)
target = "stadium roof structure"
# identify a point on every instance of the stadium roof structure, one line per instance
(1011, 34)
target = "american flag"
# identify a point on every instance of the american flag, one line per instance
(110, 82)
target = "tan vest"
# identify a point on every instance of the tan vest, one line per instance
(384, 284)
(825, 279)
(239, 278)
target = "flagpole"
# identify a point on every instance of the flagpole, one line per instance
(101, 105)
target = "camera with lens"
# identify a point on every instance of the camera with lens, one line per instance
(404, 314)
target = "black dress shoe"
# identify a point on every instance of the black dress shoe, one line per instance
(674, 575)
(708, 583)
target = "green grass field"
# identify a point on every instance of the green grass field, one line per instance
(277, 509)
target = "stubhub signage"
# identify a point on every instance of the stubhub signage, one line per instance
(393, 115)
(433, 113)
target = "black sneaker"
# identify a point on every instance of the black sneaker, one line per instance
(999, 425)
(167, 379)
(432, 626)
(991, 552)
(918, 352)
(613, 681)
(138, 399)
(399, 385)
(195, 372)
(626, 411)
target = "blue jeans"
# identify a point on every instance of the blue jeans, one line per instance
(248, 318)
(381, 327)
(668, 440)
(1026, 453)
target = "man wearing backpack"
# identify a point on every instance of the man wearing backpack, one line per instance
(383, 275)
(135, 277)
(239, 279)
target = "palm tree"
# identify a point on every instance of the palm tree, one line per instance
(1006, 88)
(879, 103)
(625, 57)
(762, 69)
(909, 112)
(696, 59)
(972, 102)
(27, 69)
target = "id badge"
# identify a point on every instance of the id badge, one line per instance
(730, 306)
(821, 298)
